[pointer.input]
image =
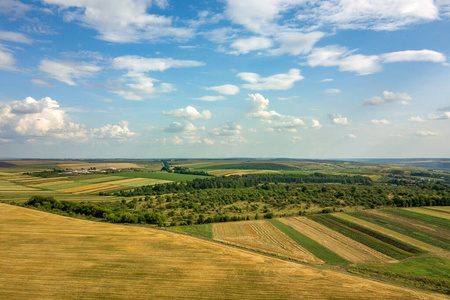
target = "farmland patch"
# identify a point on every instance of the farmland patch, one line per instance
(340, 244)
(263, 236)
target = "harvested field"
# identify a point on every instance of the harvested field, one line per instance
(86, 187)
(51, 183)
(263, 236)
(338, 243)
(391, 233)
(424, 227)
(48, 256)
(430, 212)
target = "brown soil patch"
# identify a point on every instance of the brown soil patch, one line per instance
(336, 242)
(263, 236)
(424, 227)
(47, 256)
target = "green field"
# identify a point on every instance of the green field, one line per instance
(312, 246)
(423, 272)
(204, 230)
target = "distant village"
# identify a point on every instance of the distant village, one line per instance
(94, 170)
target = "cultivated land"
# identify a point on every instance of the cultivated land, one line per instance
(409, 246)
(338, 243)
(262, 236)
(49, 256)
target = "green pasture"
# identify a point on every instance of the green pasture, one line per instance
(430, 272)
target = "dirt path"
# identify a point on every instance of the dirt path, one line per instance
(262, 235)
(424, 227)
(391, 233)
(341, 245)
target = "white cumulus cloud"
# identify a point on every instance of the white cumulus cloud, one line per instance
(315, 124)
(245, 45)
(66, 71)
(339, 120)
(189, 112)
(275, 82)
(210, 98)
(226, 89)
(14, 37)
(410, 55)
(332, 91)
(388, 98)
(425, 133)
(380, 122)
(122, 21)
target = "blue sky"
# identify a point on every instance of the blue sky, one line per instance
(228, 78)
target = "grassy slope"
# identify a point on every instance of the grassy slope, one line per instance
(424, 272)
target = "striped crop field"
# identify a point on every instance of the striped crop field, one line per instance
(46, 256)
(375, 240)
(263, 236)
(87, 186)
(430, 212)
(425, 218)
(340, 244)
(396, 235)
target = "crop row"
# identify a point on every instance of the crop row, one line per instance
(405, 230)
(372, 239)
(441, 222)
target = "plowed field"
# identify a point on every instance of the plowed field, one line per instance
(45, 256)
(262, 235)
(336, 242)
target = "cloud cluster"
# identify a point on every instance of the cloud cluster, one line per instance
(346, 60)
(45, 118)
(122, 21)
(189, 112)
(275, 82)
(7, 60)
(388, 98)
(66, 71)
(339, 120)
(380, 122)
(425, 133)
(258, 110)
(226, 89)
(135, 84)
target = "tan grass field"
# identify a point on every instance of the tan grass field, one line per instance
(429, 212)
(340, 244)
(263, 236)
(391, 233)
(47, 256)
